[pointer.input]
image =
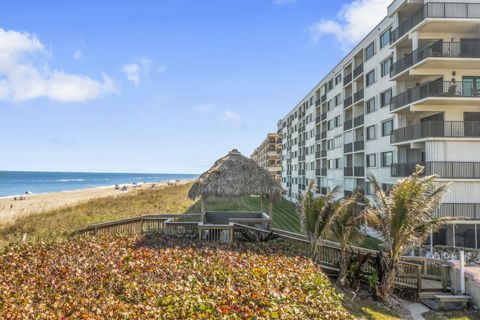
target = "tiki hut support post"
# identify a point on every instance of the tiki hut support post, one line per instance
(270, 211)
(202, 201)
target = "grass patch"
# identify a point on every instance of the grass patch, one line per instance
(284, 212)
(59, 223)
(362, 307)
(371, 243)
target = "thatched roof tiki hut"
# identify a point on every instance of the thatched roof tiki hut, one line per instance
(233, 176)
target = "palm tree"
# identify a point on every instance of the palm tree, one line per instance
(403, 217)
(317, 214)
(346, 229)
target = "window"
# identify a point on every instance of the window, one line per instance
(385, 37)
(330, 144)
(371, 160)
(371, 132)
(387, 127)
(338, 99)
(338, 121)
(337, 163)
(330, 85)
(385, 98)
(330, 105)
(337, 141)
(371, 105)
(338, 79)
(387, 159)
(370, 77)
(386, 66)
(370, 51)
(330, 124)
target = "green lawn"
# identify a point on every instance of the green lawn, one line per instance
(284, 212)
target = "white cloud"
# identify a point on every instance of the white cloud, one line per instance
(77, 55)
(283, 2)
(232, 118)
(138, 70)
(25, 73)
(204, 108)
(354, 21)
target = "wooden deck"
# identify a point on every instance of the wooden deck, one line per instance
(417, 273)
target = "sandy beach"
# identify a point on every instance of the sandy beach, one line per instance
(11, 209)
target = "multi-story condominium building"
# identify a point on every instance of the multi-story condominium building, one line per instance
(407, 94)
(269, 154)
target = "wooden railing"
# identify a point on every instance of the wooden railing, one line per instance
(327, 253)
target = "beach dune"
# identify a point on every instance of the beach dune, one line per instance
(11, 209)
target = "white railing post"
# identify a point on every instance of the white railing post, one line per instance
(462, 272)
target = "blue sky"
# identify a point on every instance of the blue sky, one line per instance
(160, 86)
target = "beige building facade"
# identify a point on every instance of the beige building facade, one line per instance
(407, 94)
(269, 155)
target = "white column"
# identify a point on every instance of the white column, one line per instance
(431, 243)
(414, 38)
(453, 234)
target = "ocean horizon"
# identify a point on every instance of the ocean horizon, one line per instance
(18, 182)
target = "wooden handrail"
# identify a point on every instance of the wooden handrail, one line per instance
(417, 268)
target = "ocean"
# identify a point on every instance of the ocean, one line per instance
(19, 182)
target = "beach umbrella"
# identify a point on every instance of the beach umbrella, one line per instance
(233, 176)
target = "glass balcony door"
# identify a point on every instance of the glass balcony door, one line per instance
(471, 86)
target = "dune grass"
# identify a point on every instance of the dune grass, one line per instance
(59, 223)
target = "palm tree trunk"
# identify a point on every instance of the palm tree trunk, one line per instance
(343, 266)
(387, 283)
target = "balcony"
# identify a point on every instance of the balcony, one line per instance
(359, 171)
(323, 153)
(324, 97)
(358, 95)
(317, 137)
(468, 211)
(359, 145)
(324, 134)
(348, 147)
(358, 71)
(358, 121)
(348, 171)
(347, 125)
(436, 10)
(347, 102)
(324, 116)
(439, 49)
(444, 169)
(436, 129)
(317, 102)
(317, 154)
(347, 79)
(317, 119)
(437, 91)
